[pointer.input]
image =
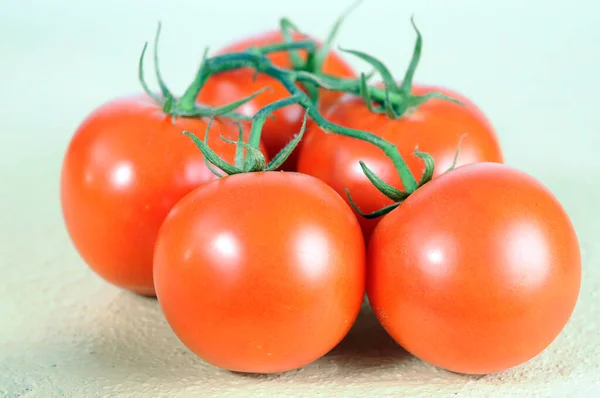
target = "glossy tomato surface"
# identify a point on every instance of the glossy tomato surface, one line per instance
(124, 169)
(477, 271)
(435, 127)
(260, 272)
(227, 87)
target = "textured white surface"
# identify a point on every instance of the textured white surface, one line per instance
(532, 66)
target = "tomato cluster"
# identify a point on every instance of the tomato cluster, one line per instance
(261, 231)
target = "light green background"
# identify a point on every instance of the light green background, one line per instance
(532, 67)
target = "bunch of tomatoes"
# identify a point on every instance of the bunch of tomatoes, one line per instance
(263, 205)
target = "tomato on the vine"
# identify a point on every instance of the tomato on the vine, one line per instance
(260, 272)
(435, 127)
(232, 85)
(477, 271)
(124, 169)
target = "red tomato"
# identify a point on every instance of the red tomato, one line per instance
(226, 87)
(124, 169)
(436, 127)
(477, 271)
(260, 272)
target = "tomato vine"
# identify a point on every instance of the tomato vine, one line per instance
(392, 99)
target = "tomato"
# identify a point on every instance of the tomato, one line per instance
(476, 272)
(260, 272)
(124, 169)
(226, 87)
(436, 127)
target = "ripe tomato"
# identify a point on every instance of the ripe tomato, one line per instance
(226, 87)
(436, 127)
(477, 271)
(260, 272)
(124, 169)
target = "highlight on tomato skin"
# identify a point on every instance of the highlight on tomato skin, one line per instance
(125, 167)
(260, 272)
(476, 272)
(230, 86)
(438, 127)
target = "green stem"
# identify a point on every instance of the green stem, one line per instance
(233, 61)
(187, 102)
(288, 79)
(351, 86)
(406, 176)
(306, 45)
(286, 31)
(260, 118)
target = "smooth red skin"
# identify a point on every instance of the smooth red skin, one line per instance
(261, 272)
(227, 87)
(435, 127)
(113, 224)
(476, 272)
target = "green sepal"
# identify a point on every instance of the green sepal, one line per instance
(409, 75)
(220, 110)
(384, 72)
(457, 153)
(168, 105)
(225, 111)
(283, 155)
(161, 83)
(239, 149)
(375, 214)
(429, 166)
(364, 93)
(142, 80)
(212, 168)
(414, 101)
(388, 190)
(209, 154)
(389, 108)
(255, 160)
(321, 55)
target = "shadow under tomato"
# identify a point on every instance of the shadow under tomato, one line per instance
(125, 337)
(368, 344)
(266, 377)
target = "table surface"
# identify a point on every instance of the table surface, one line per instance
(64, 332)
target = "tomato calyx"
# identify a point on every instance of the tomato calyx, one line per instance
(248, 157)
(395, 194)
(396, 100)
(186, 105)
